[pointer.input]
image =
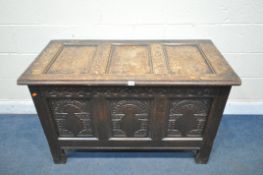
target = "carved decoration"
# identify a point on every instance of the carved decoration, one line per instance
(72, 117)
(187, 117)
(130, 118)
(79, 92)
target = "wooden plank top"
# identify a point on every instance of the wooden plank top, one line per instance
(115, 62)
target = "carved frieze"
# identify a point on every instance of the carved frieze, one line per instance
(79, 92)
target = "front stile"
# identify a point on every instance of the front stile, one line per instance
(212, 124)
(159, 113)
(102, 118)
(47, 123)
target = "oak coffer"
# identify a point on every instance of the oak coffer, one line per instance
(130, 95)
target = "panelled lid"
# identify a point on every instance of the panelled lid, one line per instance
(103, 62)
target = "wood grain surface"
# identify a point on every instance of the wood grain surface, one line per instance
(103, 62)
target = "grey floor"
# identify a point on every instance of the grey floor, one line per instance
(238, 149)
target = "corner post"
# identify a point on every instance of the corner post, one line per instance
(51, 134)
(215, 115)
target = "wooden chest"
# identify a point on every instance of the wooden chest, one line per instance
(130, 95)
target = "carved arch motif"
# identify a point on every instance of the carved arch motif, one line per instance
(187, 117)
(73, 117)
(130, 118)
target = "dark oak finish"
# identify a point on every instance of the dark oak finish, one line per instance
(130, 95)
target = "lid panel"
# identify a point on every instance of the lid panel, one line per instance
(168, 62)
(72, 60)
(186, 60)
(129, 60)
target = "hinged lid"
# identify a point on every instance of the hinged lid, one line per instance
(80, 62)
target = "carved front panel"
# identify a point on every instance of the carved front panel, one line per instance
(187, 117)
(130, 117)
(130, 112)
(72, 117)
